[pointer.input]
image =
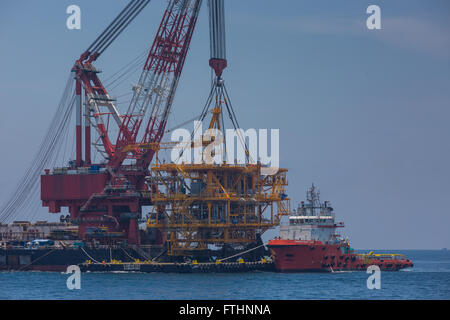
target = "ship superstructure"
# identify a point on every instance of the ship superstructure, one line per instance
(312, 220)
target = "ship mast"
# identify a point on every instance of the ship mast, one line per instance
(313, 198)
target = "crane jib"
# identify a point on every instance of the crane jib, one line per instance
(154, 93)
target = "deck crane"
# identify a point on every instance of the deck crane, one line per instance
(95, 92)
(109, 196)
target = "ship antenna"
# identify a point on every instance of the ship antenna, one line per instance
(313, 197)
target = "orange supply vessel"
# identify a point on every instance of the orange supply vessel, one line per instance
(310, 243)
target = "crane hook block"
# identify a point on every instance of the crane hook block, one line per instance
(217, 36)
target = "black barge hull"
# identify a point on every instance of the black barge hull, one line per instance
(55, 259)
(230, 267)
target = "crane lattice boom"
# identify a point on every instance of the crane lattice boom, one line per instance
(158, 81)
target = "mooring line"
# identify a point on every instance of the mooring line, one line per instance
(241, 253)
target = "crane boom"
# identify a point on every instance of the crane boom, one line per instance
(96, 95)
(158, 82)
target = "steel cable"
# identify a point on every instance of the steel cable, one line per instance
(95, 43)
(27, 186)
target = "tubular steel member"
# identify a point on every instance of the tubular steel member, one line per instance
(87, 135)
(197, 205)
(78, 111)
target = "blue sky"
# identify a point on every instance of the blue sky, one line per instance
(362, 113)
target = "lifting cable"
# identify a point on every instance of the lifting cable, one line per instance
(181, 124)
(131, 66)
(47, 153)
(215, 91)
(125, 17)
(124, 24)
(235, 122)
(95, 43)
(200, 120)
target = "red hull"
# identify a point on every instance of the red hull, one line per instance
(315, 256)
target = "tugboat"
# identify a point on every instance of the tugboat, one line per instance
(309, 243)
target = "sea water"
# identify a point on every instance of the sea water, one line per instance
(428, 279)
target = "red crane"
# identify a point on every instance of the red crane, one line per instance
(106, 199)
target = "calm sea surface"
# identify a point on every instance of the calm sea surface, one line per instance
(429, 279)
